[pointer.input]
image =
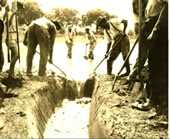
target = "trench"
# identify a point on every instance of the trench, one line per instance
(45, 108)
(40, 105)
(67, 115)
(71, 118)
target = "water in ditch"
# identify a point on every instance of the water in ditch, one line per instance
(70, 120)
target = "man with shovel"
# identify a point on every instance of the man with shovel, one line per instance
(156, 42)
(41, 31)
(115, 36)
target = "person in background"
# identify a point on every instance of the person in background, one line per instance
(90, 45)
(69, 40)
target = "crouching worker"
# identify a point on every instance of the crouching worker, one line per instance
(90, 45)
(41, 31)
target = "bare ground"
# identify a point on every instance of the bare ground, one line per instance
(112, 116)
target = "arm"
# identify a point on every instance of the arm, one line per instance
(51, 49)
(5, 18)
(125, 23)
(52, 40)
(71, 35)
(94, 37)
(158, 25)
(109, 43)
(11, 18)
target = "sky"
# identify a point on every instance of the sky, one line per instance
(120, 8)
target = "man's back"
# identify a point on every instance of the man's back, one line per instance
(43, 22)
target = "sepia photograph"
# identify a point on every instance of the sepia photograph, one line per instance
(85, 69)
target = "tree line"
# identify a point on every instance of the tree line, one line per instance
(32, 11)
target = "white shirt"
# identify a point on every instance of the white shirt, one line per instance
(91, 38)
(69, 36)
(43, 22)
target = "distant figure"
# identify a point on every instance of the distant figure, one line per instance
(41, 31)
(90, 45)
(115, 36)
(69, 40)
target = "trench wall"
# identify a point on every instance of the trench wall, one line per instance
(112, 117)
(26, 115)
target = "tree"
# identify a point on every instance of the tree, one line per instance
(92, 16)
(30, 12)
(64, 15)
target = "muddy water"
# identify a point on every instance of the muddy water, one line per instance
(70, 120)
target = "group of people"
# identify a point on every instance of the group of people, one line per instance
(154, 49)
(90, 42)
(153, 44)
(41, 31)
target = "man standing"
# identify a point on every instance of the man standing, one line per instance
(69, 40)
(158, 53)
(41, 31)
(90, 45)
(11, 38)
(151, 17)
(118, 42)
(156, 42)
